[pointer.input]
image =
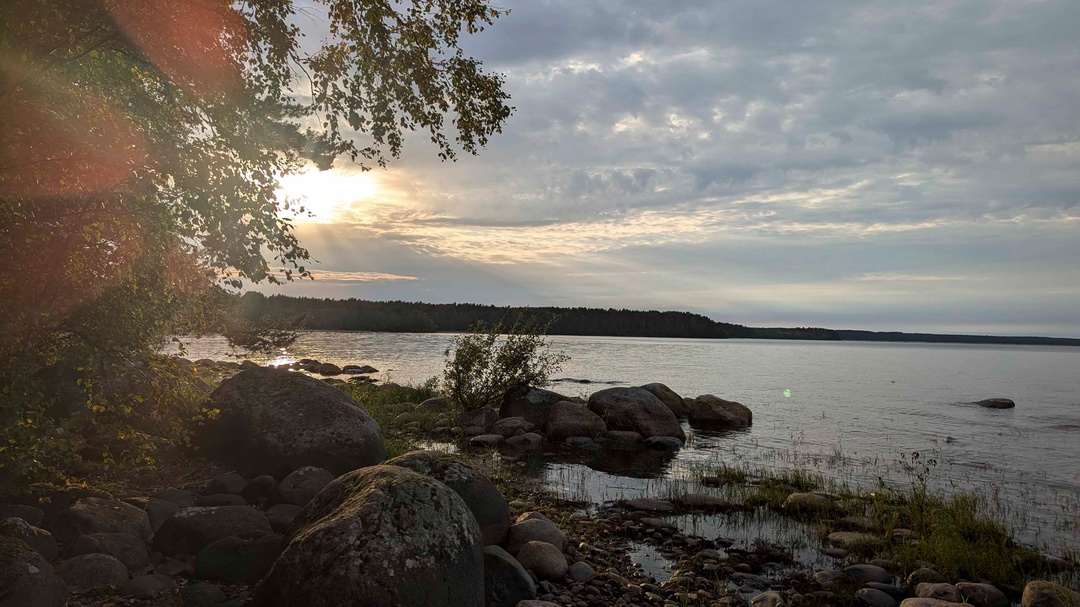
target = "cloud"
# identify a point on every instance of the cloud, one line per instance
(346, 277)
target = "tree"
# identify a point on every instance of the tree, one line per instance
(143, 141)
(483, 364)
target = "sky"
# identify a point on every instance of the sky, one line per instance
(873, 165)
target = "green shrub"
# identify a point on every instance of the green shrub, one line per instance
(483, 364)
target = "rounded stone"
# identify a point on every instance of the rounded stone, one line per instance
(637, 410)
(534, 529)
(27, 579)
(301, 485)
(941, 590)
(874, 598)
(128, 549)
(487, 504)
(192, 529)
(668, 396)
(39, 539)
(97, 515)
(543, 559)
(505, 581)
(982, 595)
(581, 572)
(239, 559)
(1041, 593)
(92, 571)
(411, 536)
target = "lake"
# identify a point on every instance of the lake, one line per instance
(849, 410)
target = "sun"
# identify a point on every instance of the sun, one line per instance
(325, 195)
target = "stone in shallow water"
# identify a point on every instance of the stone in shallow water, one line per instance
(646, 504)
(847, 539)
(867, 573)
(874, 598)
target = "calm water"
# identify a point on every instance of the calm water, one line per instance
(847, 410)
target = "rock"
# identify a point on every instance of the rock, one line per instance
(710, 411)
(411, 536)
(148, 586)
(326, 369)
(808, 502)
(247, 365)
(829, 579)
(220, 499)
(26, 578)
(923, 575)
(646, 504)
(847, 539)
(537, 603)
(1048, 594)
(192, 529)
(874, 598)
(439, 404)
(489, 441)
(505, 581)
(532, 515)
(487, 505)
(582, 442)
(896, 592)
(512, 426)
(239, 559)
(301, 486)
(159, 510)
(863, 523)
(472, 431)
(996, 403)
(92, 571)
(172, 568)
(482, 418)
(202, 594)
(768, 599)
(941, 590)
(543, 559)
(636, 410)
(184, 499)
(128, 549)
(39, 540)
(925, 602)
(982, 595)
(534, 529)
(581, 572)
(281, 517)
(624, 436)
(670, 399)
(566, 419)
(97, 515)
(867, 573)
(230, 482)
(273, 422)
(32, 515)
(703, 501)
(669, 444)
(260, 487)
(533, 404)
(527, 441)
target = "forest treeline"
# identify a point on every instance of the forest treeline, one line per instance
(416, 317)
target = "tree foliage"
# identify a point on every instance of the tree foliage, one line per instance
(143, 142)
(483, 364)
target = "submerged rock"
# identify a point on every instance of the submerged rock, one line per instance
(413, 538)
(996, 403)
(808, 502)
(713, 412)
(273, 422)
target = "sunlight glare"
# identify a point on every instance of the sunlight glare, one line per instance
(326, 195)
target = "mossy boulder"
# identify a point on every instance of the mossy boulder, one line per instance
(382, 535)
(26, 578)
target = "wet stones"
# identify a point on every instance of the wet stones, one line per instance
(848, 539)
(808, 502)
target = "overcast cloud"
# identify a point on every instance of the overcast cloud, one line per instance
(873, 164)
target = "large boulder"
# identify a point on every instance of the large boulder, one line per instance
(191, 529)
(505, 581)
(712, 412)
(26, 578)
(531, 403)
(487, 505)
(567, 419)
(637, 410)
(274, 421)
(97, 515)
(668, 396)
(382, 535)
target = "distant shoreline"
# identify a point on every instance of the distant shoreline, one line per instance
(419, 317)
